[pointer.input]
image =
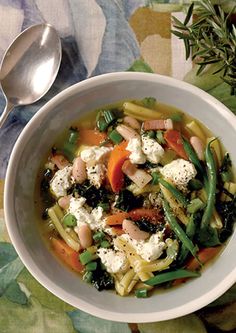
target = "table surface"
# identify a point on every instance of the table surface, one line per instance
(98, 36)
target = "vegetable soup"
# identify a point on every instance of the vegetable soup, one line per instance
(137, 196)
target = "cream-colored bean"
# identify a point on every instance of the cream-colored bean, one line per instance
(133, 231)
(198, 146)
(132, 122)
(127, 132)
(79, 170)
(64, 202)
(85, 236)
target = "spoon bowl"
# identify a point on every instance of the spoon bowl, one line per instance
(30, 66)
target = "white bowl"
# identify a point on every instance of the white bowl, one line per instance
(36, 139)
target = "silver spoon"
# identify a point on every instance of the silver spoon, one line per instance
(29, 66)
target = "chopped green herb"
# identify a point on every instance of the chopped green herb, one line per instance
(149, 102)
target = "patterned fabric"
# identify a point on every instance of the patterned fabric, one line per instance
(98, 36)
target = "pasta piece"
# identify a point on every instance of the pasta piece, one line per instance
(196, 130)
(127, 282)
(231, 188)
(56, 214)
(140, 112)
(141, 285)
(175, 206)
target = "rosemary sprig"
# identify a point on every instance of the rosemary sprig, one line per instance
(210, 39)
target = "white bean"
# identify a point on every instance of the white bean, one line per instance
(133, 231)
(197, 146)
(132, 122)
(127, 132)
(64, 202)
(79, 170)
(85, 236)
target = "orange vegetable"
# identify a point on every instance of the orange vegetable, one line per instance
(174, 141)
(118, 230)
(66, 254)
(152, 215)
(116, 219)
(204, 255)
(91, 137)
(114, 168)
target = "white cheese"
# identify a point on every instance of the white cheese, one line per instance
(96, 174)
(152, 149)
(180, 172)
(114, 261)
(95, 154)
(150, 249)
(61, 182)
(135, 147)
(155, 199)
(83, 216)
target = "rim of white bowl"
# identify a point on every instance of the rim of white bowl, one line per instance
(22, 251)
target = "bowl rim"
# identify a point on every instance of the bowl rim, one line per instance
(15, 237)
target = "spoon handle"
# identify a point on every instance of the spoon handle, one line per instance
(7, 110)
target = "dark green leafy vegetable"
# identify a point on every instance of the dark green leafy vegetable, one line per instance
(126, 201)
(195, 184)
(145, 225)
(94, 196)
(225, 169)
(101, 279)
(227, 210)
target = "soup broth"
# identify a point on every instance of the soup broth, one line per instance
(136, 196)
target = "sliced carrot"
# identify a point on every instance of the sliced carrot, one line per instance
(174, 141)
(114, 168)
(67, 255)
(204, 255)
(116, 219)
(152, 215)
(91, 137)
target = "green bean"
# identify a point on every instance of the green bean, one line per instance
(190, 232)
(176, 193)
(192, 156)
(195, 205)
(170, 276)
(206, 232)
(212, 178)
(178, 230)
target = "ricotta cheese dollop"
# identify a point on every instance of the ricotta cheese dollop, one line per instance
(61, 182)
(150, 249)
(95, 153)
(96, 174)
(152, 149)
(114, 261)
(135, 147)
(180, 172)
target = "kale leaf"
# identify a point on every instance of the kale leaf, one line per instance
(101, 279)
(145, 225)
(127, 201)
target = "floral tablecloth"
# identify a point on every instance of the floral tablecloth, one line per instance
(98, 36)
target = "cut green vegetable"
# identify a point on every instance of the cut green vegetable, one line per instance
(141, 293)
(69, 220)
(195, 205)
(115, 137)
(85, 257)
(91, 266)
(170, 276)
